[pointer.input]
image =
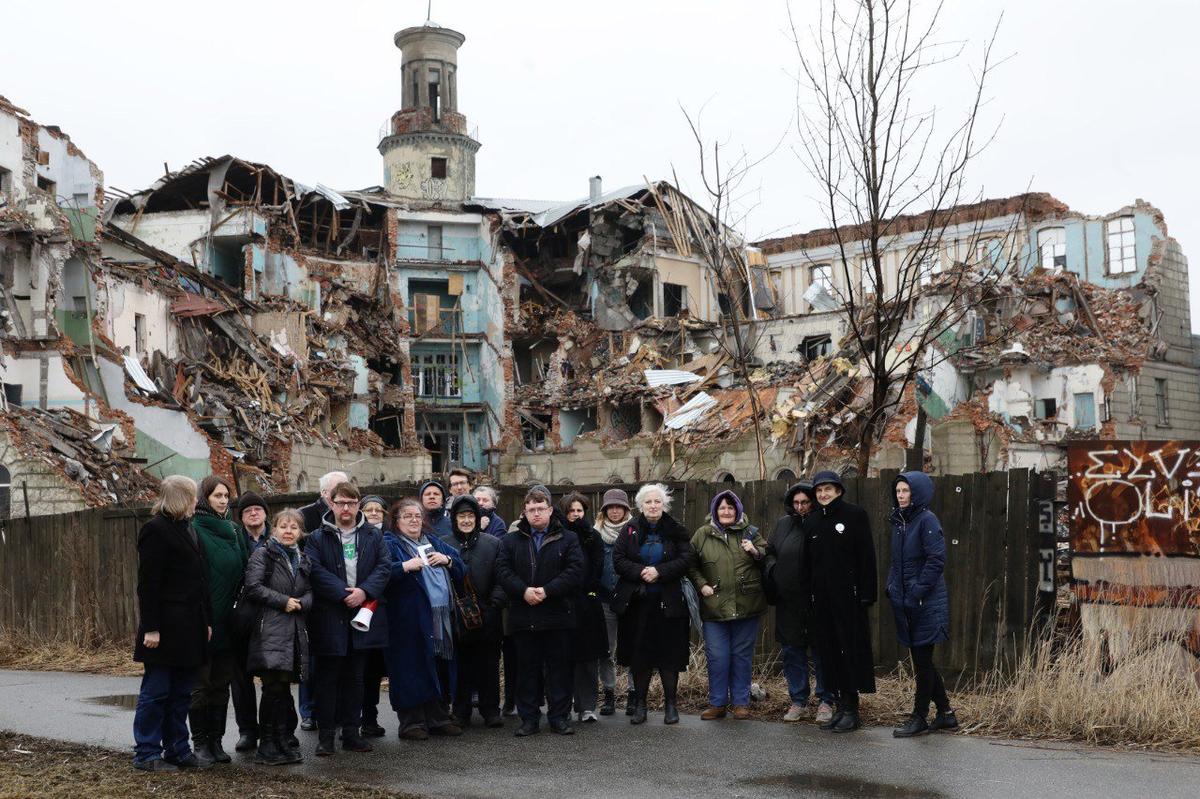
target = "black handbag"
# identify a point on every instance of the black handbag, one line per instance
(246, 613)
(470, 614)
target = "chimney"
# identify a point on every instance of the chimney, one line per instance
(594, 188)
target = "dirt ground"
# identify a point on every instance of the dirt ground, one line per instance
(36, 767)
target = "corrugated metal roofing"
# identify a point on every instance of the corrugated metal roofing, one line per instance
(690, 411)
(669, 377)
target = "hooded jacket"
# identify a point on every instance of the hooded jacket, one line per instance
(329, 627)
(480, 552)
(784, 571)
(557, 567)
(227, 551)
(279, 642)
(720, 562)
(915, 584)
(439, 519)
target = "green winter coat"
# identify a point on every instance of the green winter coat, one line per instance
(226, 550)
(733, 573)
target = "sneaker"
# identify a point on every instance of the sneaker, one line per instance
(914, 726)
(834, 720)
(794, 713)
(824, 713)
(510, 711)
(157, 764)
(588, 716)
(308, 724)
(944, 721)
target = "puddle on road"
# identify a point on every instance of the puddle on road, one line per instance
(832, 785)
(127, 701)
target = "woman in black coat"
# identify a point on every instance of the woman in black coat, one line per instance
(174, 625)
(478, 647)
(589, 640)
(277, 582)
(789, 593)
(652, 558)
(840, 568)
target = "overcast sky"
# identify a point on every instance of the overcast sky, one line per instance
(1098, 97)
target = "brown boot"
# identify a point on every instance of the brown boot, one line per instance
(712, 712)
(741, 712)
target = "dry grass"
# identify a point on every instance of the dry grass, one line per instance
(37, 767)
(21, 650)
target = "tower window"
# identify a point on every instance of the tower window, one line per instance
(435, 78)
(437, 168)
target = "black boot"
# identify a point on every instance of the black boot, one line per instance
(639, 712)
(325, 747)
(198, 722)
(630, 702)
(269, 753)
(849, 722)
(670, 712)
(216, 731)
(245, 742)
(944, 721)
(834, 720)
(610, 703)
(915, 725)
(283, 730)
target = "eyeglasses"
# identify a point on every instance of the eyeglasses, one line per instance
(409, 517)
(345, 503)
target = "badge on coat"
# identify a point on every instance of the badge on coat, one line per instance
(841, 528)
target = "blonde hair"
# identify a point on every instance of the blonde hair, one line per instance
(176, 494)
(289, 513)
(650, 488)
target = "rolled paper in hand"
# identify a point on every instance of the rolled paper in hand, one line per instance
(362, 619)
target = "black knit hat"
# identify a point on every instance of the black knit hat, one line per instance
(827, 478)
(249, 499)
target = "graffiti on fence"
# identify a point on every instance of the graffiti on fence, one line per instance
(1135, 497)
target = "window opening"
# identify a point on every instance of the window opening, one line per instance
(1052, 244)
(1122, 250)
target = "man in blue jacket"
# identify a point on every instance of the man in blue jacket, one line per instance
(351, 565)
(540, 567)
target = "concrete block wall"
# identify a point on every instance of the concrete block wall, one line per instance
(310, 461)
(49, 491)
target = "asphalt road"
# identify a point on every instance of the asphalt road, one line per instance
(611, 759)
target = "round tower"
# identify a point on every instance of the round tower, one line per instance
(427, 154)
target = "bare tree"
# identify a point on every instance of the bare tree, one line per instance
(888, 168)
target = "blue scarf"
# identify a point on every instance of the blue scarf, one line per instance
(436, 582)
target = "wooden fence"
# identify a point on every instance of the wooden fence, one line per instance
(74, 576)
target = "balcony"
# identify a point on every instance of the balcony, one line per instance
(430, 321)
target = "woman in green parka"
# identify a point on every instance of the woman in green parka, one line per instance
(727, 571)
(226, 551)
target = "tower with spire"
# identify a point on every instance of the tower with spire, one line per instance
(428, 155)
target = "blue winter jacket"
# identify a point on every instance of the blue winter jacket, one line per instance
(329, 630)
(915, 585)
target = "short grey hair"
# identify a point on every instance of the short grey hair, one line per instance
(653, 488)
(491, 492)
(329, 481)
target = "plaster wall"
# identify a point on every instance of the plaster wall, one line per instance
(11, 154)
(27, 369)
(75, 177)
(49, 490)
(310, 461)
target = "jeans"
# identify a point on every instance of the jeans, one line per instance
(160, 721)
(795, 669)
(608, 665)
(339, 690)
(729, 649)
(308, 702)
(544, 652)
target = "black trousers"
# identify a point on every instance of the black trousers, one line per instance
(929, 682)
(509, 648)
(340, 690)
(373, 673)
(478, 671)
(277, 713)
(548, 650)
(242, 688)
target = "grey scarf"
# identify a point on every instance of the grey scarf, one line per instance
(609, 532)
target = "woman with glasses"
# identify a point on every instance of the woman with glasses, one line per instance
(420, 611)
(789, 594)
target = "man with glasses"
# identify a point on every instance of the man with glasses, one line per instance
(350, 566)
(460, 479)
(540, 567)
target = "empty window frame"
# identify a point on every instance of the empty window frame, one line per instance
(1162, 407)
(990, 253)
(433, 236)
(869, 283)
(435, 100)
(814, 347)
(533, 431)
(821, 275)
(1085, 411)
(1052, 246)
(1046, 408)
(5, 180)
(47, 185)
(929, 265)
(674, 301)
(139, 333)
(437, 168)
(437, 375)
(1122, 251)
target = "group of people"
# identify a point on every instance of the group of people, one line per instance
(438, 594)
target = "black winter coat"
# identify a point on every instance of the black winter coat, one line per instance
(590, 640)
(677, 559)
(784, 581)
(279, 642)
(557, 567)
(172, 593)
(481, 553)
(840, 568)
(329, 629)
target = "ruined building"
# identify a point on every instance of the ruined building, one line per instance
(231, 319)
